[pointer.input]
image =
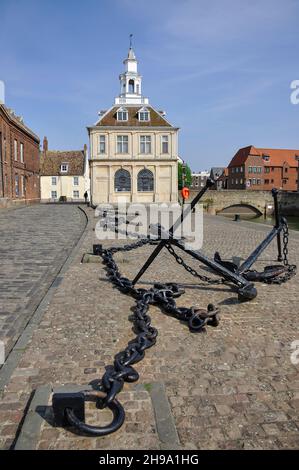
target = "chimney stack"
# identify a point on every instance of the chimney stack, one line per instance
(45, 144)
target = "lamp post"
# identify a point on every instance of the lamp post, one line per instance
(183, 174)
(183, 177)
(297, 158)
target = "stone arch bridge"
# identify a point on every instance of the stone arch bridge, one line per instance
(218, 201)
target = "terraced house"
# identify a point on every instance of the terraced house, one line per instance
(64, 174)
(19, 160)
(133, 147)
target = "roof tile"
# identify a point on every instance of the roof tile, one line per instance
(52, 160)
(110, 119)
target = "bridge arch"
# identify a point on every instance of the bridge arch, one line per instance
(241, 208)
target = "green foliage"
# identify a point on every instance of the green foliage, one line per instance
(188, 178)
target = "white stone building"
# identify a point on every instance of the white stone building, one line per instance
(133, 148)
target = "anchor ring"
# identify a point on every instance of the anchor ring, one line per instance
(116, 408)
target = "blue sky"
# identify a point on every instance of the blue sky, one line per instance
(220, 68)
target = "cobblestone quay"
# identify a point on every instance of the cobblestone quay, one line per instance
(234, 387)
(34, 243)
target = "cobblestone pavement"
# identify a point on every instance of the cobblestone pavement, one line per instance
(233, 387)
(34, 243)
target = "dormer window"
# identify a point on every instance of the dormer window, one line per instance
(143, 114)
(266, 158)
(64, 168)
(122, 114)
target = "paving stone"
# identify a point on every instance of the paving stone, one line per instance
(34, 242)
(231, 388)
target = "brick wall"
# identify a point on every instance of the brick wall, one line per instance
(19, 177)
(262, 175)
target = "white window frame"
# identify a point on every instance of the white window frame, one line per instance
(165, 140)
(145, 143)
(144, 115)
(21, 152)
(75, 180)
(102, 144)
(62, 166)
(54, 181)
(122, 144)
(122, 114)
(53, 197)
(16, 150)
(77, 195)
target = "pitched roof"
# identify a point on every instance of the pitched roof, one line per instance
(277, 156)
(216, 171)
(18, 121)
(280, 156)
(110, 118)
(51, 160)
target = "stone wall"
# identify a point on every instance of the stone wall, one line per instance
(215, 201)
(289, 203)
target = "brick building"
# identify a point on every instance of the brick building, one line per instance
(263, 169)
(19, 159)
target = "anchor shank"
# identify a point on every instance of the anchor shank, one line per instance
(190, 207)
(259, 249)
(237, 279)
(149, 261)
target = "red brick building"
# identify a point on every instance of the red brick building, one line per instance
(263, 169)
(19, 159)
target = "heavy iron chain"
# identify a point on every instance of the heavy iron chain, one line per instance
(164, 296)
(189, 269)
(288, 272)
(290, 269)
(160, 294)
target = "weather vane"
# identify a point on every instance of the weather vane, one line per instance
(131, 35)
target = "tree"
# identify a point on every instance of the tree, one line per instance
(188, 177)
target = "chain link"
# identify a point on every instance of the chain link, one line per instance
(277, 274)
(290, 269)
(280, 273)
(164, 296)
(189, 269)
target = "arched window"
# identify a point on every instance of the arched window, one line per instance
(122, 181)
(131, 86)
(145, 181)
